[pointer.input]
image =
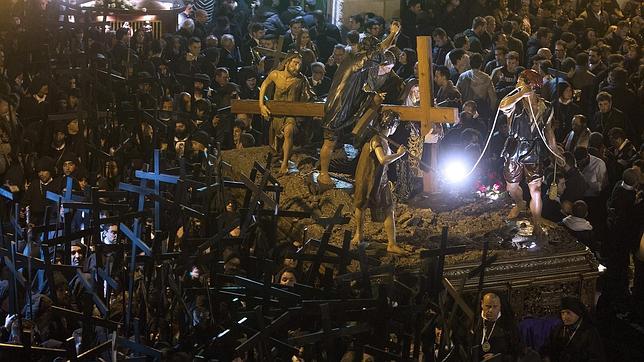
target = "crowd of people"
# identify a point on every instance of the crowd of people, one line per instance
(72, 97)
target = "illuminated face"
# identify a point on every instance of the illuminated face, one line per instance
(593, 57)
(402, 58)
(251, 83)
(567, 93)
(512, 63)
(501, 41)
(287, 279)
(305, 39)
(317, 73)
(77, 255)
(110, 235)
(69, 167)
(259, 34)
(296, 28)
(375, 30)
(491, 307)
(569, 317)
(222, 78)
(195, 48)
(439, 40)
(44, 175)
(338, 55)
(180, 128)
(353, 24)
(604, 106)
(268, 43)
(560, 51)
(577, 124)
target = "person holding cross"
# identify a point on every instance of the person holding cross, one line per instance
(289, 85)
(347, 96)
(529, 121)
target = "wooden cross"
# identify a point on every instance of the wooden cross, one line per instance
(425, 113)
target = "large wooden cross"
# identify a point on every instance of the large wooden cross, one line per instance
(425, 113)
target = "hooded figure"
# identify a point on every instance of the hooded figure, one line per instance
(576, 339)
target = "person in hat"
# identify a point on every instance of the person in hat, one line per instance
(248, 83)
(57, 146)
(34, 199)
(203, 108)
(201, 87)
(199, 142)
(35, 108)
(576, 339)
(69, 164)
(289, 85)
(144, 91)
(524, 148)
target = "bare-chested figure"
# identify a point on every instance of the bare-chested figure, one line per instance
(289, 85)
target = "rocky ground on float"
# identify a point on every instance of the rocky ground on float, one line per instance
(471, 220)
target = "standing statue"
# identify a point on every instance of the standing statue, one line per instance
(529, 123)
(289, 85)
(347, 96)
(372, 189)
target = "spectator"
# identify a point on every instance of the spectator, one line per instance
(505, 77)
(608, 117)
(474, 35)
(442, 45)
(477, 86)
(565, 109)
(579, 136)
(594, 171)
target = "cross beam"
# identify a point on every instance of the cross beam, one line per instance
(425, 113)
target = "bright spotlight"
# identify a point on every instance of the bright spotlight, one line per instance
(455, 171)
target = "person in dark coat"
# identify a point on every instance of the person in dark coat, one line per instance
(576, 339)
(576, 185)
(34, 197)
(623, 227)
(348, 96)
(496, 332)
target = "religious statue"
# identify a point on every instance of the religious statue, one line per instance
(289, 85)
(372, 189)
(529, 124)
(345, 103)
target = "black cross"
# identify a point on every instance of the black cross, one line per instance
(436, 273)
